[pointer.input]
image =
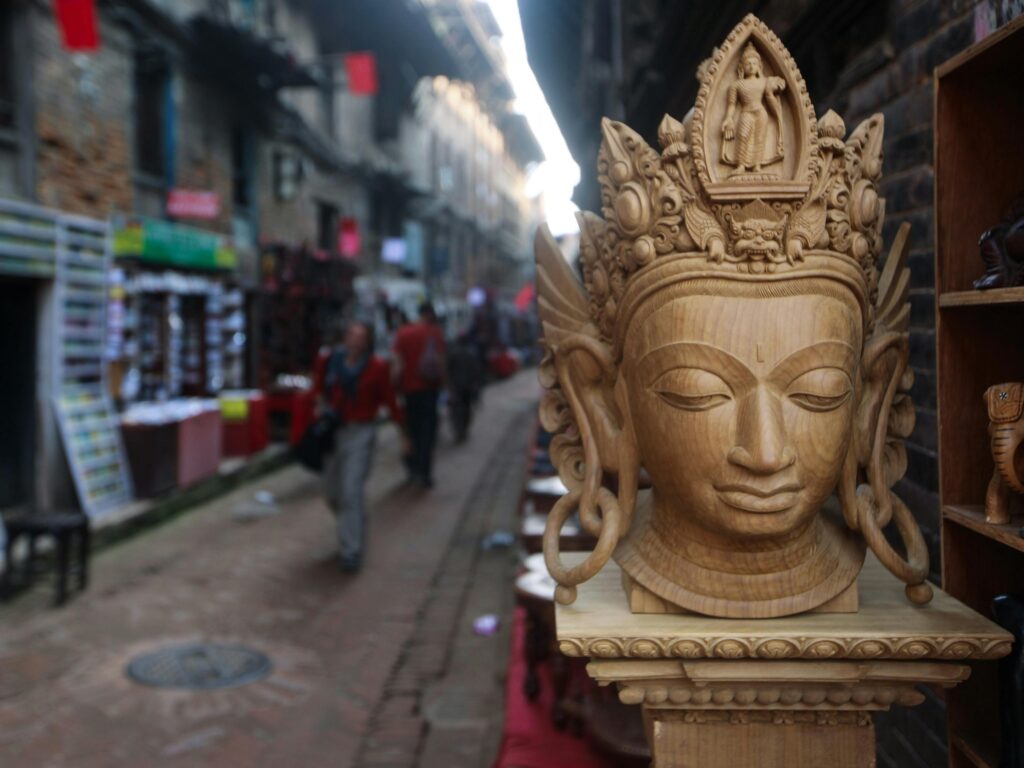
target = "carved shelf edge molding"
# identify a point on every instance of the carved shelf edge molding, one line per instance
(788, 648)
(779, 717)
(667, 694)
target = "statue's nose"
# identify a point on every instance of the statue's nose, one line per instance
(761, 441)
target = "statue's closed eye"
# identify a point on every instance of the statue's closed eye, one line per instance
(692, 389)
(823, 389)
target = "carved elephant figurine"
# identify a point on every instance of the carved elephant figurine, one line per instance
(1006, 428)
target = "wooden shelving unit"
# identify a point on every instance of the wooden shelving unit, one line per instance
(982, 298)
(979, 170)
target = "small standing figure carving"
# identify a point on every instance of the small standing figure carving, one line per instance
(745, 128)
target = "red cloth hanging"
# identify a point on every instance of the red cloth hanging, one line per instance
(79, 29)
(361, 69)
(525, 297)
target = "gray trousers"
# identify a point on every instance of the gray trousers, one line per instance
(345, 477)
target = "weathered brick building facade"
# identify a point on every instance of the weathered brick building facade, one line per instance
(249, 101)
(858, 58)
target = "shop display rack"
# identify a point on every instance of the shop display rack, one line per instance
(979, 164)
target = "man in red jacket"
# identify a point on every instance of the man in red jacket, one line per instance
(356, 384)
(421, 369)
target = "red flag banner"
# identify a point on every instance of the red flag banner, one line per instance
(349, 242)
(79, 29)
(361, 69)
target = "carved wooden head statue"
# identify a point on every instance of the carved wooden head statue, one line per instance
(735, 340)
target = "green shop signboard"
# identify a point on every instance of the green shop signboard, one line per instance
(161, 242)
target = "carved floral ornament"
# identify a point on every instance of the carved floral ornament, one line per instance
(737, 341)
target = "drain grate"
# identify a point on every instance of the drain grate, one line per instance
(199, 666)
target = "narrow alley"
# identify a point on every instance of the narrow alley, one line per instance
(365, 668)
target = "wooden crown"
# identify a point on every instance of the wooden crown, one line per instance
(749, 184)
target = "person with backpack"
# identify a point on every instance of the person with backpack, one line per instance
(420, 369)
(356, 384)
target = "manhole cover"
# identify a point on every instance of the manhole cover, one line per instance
(200, 666)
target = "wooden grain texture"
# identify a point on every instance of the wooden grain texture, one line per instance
(642, 600)
(678, 742)
(973, 517)
(975, 298)
(600, 625)
(739, 340)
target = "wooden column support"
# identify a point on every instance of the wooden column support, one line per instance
(730, 713)
(791, 691)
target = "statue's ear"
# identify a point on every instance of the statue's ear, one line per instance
(587, 375)
(883, 415)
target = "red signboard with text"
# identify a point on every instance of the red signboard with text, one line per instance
(193, 204)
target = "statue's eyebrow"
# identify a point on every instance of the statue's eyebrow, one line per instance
(824, 354)
(694, 354)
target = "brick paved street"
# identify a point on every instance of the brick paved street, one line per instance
(380, 669)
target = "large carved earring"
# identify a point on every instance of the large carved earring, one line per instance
(885, 419)
(586, 372)
(583, 409)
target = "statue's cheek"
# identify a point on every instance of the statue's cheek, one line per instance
(821, 439)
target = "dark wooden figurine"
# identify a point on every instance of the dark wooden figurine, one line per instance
(1002, 250)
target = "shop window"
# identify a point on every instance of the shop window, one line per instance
(327, 227)
(153, 113)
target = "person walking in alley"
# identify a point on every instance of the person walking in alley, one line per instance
(419, 351)
(465, 380)
(356, 384)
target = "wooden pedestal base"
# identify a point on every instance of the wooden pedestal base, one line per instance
(743, 737)
(756, 713)
(792, 691)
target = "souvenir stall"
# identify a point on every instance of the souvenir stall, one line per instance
(303, 295)
(176, 341)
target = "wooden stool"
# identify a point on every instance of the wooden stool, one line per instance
(66, 529)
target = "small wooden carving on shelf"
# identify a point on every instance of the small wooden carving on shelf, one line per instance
(1006, 429)
(1002, 250)
(737, 340)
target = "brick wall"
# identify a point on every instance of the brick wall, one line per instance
(893, 76)
(83, 109)
(203, 153)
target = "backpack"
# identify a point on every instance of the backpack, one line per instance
(429, 368)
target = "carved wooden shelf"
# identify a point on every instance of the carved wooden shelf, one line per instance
(982, 298)
(973, 516)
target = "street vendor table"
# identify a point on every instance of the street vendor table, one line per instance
(172, 445)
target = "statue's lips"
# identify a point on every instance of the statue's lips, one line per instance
(752, 499)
